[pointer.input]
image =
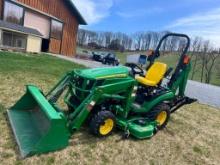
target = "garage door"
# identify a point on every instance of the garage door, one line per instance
(37, 21)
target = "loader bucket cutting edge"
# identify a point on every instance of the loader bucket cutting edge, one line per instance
(37, 126)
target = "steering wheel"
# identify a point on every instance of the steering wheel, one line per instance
(135, 69)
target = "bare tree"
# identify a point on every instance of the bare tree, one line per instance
(138, 37)
(108, 38)
(164, 45)
(203, 57)
(172, 43)
(81, 37)
(209, 64)
(147, 42)
(155, 39)
(195, 50)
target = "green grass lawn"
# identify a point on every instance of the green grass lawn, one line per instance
(191, 137)
(171, 60)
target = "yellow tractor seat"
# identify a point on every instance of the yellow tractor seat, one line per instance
(154, 75)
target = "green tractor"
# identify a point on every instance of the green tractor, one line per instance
(102, 99)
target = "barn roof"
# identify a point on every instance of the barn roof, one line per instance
(76, 12)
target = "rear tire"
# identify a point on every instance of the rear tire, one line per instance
(102, 124)
(161, 114)
(103, 62)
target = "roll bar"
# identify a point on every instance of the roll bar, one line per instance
(180, 64)
(176, 35)
(157, 50)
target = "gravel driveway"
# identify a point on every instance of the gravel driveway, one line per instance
(204, 93)
(87, 63)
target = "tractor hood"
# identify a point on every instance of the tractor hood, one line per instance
(104, 73)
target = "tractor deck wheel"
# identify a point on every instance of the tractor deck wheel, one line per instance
(161, 114)
(102, 123)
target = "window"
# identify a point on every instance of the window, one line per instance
(15, 40)
(111, 56)
(56, 29)
(13, 13)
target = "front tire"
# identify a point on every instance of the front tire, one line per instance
(103, 123)
(161, 114)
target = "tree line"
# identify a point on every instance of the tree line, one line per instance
(121, 41)
(205, 60)
(204, 55)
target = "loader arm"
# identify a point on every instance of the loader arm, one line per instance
(79, 116)
(54, 94)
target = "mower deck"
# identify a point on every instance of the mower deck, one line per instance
(143, 130)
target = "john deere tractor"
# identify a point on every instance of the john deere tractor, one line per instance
(130, 99)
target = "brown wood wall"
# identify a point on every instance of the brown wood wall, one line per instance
(1, 6)
(54, 46)
(59, 9)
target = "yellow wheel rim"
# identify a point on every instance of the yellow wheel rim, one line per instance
(106, 127)
(161, 118)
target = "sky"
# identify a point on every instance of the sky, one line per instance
(193, 17)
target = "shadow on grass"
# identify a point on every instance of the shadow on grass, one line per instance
(84, 137)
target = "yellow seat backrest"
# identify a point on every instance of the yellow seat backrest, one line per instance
(156, 72)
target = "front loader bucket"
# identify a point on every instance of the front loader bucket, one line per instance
(37, 126)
